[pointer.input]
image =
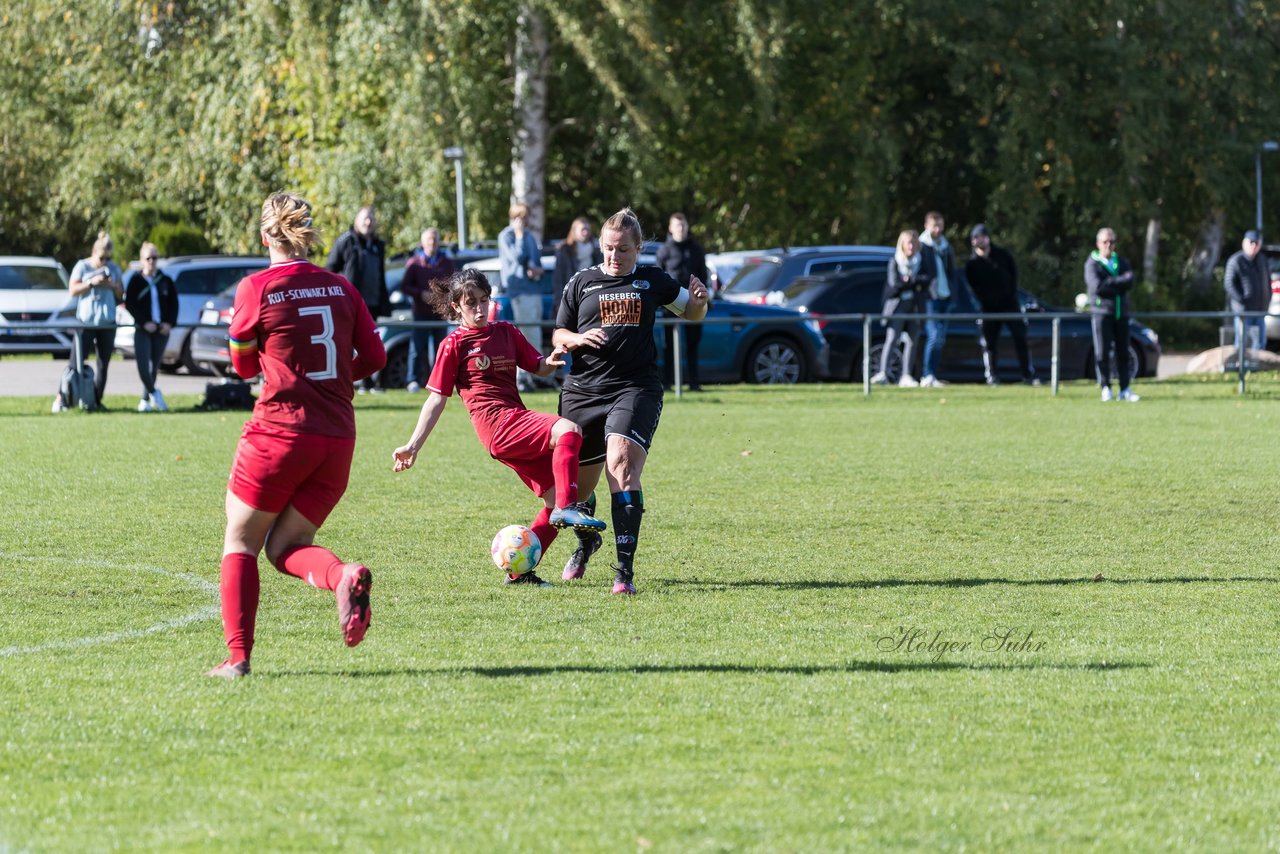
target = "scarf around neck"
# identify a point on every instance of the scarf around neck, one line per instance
(907, 266)
(1112, 264)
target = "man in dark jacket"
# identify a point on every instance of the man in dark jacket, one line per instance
(993, 277)
(1248, 286)
(427, 264)
(360, 255)
(682, 257)
(1109, 278)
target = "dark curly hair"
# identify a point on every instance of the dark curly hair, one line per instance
(446, 292)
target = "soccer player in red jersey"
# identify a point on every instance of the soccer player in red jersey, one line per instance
(298, 325)
(479, 359)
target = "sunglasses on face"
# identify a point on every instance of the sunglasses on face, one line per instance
(151, 258)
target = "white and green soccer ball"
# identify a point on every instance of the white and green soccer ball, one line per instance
(1082, 302)
(516, 549)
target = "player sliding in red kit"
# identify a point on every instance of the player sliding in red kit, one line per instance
(479, 359)
(298, 325)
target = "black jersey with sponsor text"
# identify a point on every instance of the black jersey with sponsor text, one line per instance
(625, 307)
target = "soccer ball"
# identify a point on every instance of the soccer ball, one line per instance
(516, 550)
(1082, 302)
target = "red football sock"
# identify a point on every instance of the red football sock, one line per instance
(564, 467)
(239, 603)
(317, 566)
(542, 526)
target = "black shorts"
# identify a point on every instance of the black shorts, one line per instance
(632, 413)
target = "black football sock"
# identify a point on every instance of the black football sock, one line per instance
(628, 507)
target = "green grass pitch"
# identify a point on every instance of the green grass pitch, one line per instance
(958, 619)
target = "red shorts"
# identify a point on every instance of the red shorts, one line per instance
(274, 468)
(522, 442)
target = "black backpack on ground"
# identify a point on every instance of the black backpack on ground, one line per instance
(228, 394)
(76, 388)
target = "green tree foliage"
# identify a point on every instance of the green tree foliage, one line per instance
(784, 122)
(132, 223)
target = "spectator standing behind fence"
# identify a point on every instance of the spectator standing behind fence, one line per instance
(1248, 288)
(1109, 278)
(152, 299)
(578, 252)
(993, 276)
(427, 264)
(941, 296)
(97, 284)
(360, 255)
(910, 278)
(520, 269)
(682, 258)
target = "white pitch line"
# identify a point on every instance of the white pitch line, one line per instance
(75, 643)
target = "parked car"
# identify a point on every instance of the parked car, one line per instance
(723, 266)
(1272, 254)
(820, 297)
(763, 278)
(197, 278)
(34, 301)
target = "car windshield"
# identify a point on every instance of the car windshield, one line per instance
(754, 277)
(16, 278)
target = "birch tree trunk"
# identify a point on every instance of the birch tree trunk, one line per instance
(529, 148)
(1207, 251)
(1151, 254)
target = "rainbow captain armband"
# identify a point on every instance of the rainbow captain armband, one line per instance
(244, 356)
(242, 348)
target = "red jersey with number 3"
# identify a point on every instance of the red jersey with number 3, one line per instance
(307, 323)
(481, 365)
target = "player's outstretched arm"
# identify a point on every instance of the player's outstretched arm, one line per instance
(570, 341)
(406, 455)
(553, 361)
(696, 309)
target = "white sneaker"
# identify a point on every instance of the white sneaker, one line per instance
(908, 381)
(413, 388)
(931, 381)
(1106, 393)
(157, 402)
(57, 404)
(879, 379)
(1129, 396)
(144, 405)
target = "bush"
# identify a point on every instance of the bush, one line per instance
(179, 238)
(132, 223)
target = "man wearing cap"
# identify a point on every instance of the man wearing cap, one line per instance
(993, 277)
(1248, 289)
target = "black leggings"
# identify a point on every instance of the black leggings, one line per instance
(103, 343)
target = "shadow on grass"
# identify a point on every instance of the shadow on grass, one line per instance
(796, 670)
(871, 583)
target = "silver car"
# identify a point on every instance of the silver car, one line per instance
(34, 305)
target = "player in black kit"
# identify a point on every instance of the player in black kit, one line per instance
(614, 391)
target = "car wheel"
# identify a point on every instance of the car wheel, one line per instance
(193, 368)
(775, 361)
(396, 372)
(893, 371)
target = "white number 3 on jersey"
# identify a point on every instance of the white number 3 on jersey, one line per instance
(325, 340)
